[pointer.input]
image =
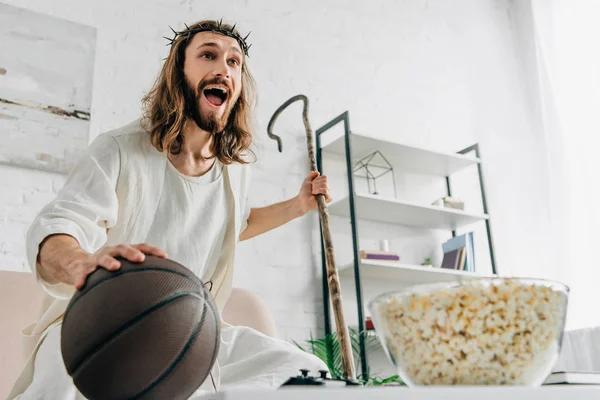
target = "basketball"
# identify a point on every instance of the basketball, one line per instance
(147, 331)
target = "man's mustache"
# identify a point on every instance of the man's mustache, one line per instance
(214, 81)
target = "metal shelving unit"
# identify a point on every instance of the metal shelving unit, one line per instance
(352, 147)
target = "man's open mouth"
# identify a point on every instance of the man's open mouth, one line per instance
(216, 95)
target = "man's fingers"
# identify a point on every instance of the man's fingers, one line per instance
(320, 186)
(320, 182)
(312, 176)
(151, 250)
(320, 189)
(129, 252)
(328, 197)
(325, 192)
(106, 258)
(108, 262)
(82, 277)
(80, 282)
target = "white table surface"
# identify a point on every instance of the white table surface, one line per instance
(555, 392)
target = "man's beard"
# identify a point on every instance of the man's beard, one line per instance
(210, 123)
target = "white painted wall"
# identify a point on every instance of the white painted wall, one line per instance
(437, 74)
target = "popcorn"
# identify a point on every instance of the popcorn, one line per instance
(481, 332)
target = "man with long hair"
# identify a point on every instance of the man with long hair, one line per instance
(174, 182)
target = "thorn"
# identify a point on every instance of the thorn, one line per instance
(174, 31)
(220, 23)
(247, 36)
(233, 28)
(186, 27)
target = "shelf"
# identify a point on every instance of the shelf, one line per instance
(401, 212)
(401, 157)
(409, 274)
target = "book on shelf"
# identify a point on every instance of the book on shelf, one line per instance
(379, 255)
(381, 252)
(452, 259)
(461, 260)
(465, 242)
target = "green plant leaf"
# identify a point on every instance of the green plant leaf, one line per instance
(391, 379)
(386, 381)
(319, 349)
(311, 343)
(336, 354)
(328, 350)
(298, 345)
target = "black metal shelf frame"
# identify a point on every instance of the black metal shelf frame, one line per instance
(345, 120)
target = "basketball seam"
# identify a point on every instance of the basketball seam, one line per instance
(127, 325)
(117, 274)
(192, 338)
(217, 339)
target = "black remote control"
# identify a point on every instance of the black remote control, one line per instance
(321, 380)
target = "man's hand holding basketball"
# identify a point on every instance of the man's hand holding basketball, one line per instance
(61, 259)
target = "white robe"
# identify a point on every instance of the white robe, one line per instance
(111, 197)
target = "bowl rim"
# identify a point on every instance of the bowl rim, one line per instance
(424, 288)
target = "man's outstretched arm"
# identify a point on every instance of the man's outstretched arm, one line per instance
(264, 219)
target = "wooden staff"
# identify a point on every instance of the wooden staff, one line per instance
(332, 273)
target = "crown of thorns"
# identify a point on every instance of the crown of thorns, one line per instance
(188, 32)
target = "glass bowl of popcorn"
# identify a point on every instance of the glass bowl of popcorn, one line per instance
(492, 331)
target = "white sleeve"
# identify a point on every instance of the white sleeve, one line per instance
(246, 203)
(84, 208)
(245, 216)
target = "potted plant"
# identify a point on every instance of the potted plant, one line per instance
(328, 349)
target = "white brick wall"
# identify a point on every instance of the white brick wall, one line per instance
(438, 74)
(22, 193)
